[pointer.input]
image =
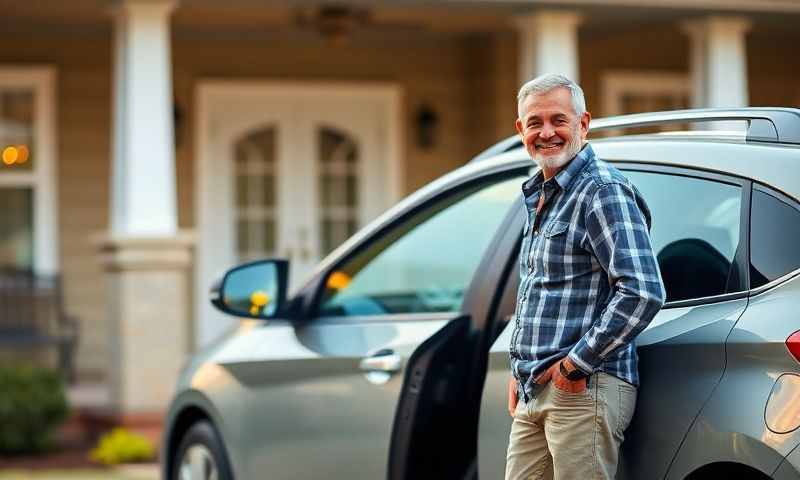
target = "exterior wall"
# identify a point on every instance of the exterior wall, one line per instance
(652, 47)
(83, 92)
(493, 78)
(430, 69)
(773, 68)
(433, 69)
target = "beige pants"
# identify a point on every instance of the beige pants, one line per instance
(571, 436)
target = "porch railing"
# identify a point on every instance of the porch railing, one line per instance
(32, 316)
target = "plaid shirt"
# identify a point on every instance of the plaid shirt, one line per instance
(589, 280)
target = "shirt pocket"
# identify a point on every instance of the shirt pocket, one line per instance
(555, 247)
(556, 228)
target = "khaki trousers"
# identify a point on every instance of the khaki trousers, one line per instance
(570, 436)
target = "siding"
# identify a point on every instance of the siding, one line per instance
(83, 118)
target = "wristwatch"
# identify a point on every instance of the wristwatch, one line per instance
(573, 375)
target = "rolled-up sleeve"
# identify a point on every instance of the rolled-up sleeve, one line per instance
(617, 234)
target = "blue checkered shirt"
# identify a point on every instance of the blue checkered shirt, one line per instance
(589, 282)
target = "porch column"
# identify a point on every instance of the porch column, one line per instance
(146, 257)
(548, 44)
(718, 61)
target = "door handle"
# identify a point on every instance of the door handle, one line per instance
(386, 361)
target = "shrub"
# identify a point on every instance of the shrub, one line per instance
(122, 446)
(32, 405)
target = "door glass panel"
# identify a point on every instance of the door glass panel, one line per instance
(425, 263)
(255, 172)
(16, 228)
(774, 234)
(339, 203)
(694, 233)
(16, 130)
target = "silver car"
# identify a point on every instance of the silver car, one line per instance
(392, 360)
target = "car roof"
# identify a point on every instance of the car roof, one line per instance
(777, 166)
(767, 150)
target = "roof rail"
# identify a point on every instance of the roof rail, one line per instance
(765, 124)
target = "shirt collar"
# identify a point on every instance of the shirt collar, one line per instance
(565, 177)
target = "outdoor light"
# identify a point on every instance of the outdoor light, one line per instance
(427, 121)
(334, 22)
(10, 155)
(22, 153)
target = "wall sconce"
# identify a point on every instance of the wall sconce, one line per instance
(427, 123)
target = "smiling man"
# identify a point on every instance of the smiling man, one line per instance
(589, 283)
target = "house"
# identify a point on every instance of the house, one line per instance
(150, 144)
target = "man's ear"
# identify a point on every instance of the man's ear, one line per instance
(585, 119)
(518, 124)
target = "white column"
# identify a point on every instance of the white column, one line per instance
(143, 188)
(718, 61)
(548, 44)
(146, 258)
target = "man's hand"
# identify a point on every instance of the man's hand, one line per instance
(554, 373)
(512, 396)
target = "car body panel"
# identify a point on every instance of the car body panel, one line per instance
(789, 468)
(691, 339)
(756, 357)
(286, 391)
(681, 360)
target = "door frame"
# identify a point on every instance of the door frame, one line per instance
(213, 179)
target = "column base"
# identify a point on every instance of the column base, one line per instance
(149, 320)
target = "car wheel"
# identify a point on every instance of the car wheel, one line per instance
(201, 455)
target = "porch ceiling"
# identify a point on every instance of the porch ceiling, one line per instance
(464, 16)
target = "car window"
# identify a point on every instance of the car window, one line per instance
(425, 263)
(774, 231)
(694, 232)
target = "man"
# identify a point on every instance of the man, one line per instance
(589, 285)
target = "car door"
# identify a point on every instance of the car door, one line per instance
(698, 225)
(324, 404)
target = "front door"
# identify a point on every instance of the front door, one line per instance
(288, 171)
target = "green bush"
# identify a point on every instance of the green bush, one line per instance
(32, 406)
(122, 446)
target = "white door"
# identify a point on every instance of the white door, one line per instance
(290, 171)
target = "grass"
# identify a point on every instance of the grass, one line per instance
(79, 474)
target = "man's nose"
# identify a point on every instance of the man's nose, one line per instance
(547, 131)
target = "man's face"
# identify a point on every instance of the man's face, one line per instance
(551, 130)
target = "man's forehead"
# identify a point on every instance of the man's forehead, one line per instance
(554, 102)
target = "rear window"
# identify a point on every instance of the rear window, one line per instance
(774, 234)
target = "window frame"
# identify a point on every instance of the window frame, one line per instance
(780, 196)
(312, 305)
(41, 179)
(741, 259)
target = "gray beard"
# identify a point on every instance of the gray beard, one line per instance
(570, 150)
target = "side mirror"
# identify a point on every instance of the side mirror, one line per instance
(253, 290)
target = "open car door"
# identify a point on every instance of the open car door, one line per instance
(436, 420)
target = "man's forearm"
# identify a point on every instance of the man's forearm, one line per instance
(627, 314)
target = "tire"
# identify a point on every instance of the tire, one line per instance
(201, 455)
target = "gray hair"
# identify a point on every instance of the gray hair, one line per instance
(550, 81)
